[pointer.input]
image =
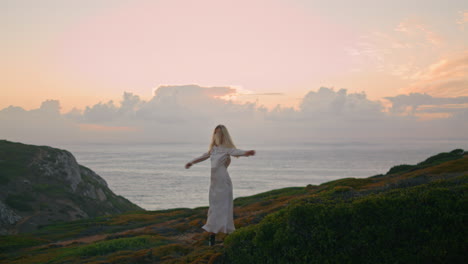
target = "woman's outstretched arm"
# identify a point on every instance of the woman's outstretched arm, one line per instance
(199, 159)
(239, 152)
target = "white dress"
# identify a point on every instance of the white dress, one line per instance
(220, 212)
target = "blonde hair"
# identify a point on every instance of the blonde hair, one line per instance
(222, 138)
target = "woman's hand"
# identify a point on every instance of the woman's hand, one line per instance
(250, 153)
(188, 165)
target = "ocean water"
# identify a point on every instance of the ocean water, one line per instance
(153, 175)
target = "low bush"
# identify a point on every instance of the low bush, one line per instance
(412, 225)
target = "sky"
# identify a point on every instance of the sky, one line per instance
(145, 70)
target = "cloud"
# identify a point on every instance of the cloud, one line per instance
(44, 124)
(427, 106)
(398, 50)
(448, 76)
(418, 30)
(191, 102)
(463, 20)
(95, 127)
(188, 113)
(130, 104)
(101, 112)
(50, 108)
(446, 68)
(267, 94)
(192, 90)
(328, 102)
(418, 56)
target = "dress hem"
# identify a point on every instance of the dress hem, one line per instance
(227, 231)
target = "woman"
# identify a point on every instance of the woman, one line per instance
(220, 213)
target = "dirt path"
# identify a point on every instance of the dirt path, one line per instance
(23, 221)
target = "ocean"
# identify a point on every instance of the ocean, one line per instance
(153, 175)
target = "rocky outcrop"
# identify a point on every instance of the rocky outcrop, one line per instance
(7, 218)
(48, 162)
(40, 185)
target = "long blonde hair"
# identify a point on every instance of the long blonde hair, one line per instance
(222, 138)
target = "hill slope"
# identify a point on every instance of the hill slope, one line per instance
(40, 185)
(415, 215)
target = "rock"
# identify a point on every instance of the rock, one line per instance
(40, 185)
(50, 161)
(7, 218)
(101, 195)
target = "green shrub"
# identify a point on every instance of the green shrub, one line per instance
(443, 157)
(413, 225)
(401, 168)
(431, 161)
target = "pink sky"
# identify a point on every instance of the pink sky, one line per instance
(84, 53)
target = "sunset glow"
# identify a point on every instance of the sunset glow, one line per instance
(146, 69)
(266, 47)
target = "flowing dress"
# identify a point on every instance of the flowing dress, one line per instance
(220, 212)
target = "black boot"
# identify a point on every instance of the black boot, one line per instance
(212, 239)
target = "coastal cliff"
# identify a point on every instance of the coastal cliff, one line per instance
(40, 185)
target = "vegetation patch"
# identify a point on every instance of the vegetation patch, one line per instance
(145, 217)
(77, 228)
(110, 246)
(17, 242)
(349, 182)
(20, 201)
(412, 225)
(290, 191)
(49, 189)
(431, 161)
(171, 251)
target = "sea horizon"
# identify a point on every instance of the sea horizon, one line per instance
(153, 176)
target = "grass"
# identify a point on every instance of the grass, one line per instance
(94, 252)
(290, 191)
(20, 202)
(109, 246)
(349, 182)
(17, 242)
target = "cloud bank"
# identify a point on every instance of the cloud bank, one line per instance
(188, 113)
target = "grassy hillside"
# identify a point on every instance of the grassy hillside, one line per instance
(414, 215)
